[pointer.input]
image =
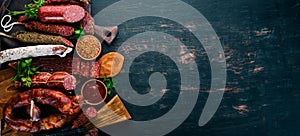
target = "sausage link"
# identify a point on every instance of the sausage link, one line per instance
(57, 80)
(40, 80)
(62, 30)
(62, 80)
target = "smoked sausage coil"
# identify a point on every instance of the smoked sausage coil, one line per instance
(68, 108)
(61, 13)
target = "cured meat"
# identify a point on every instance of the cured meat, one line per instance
(85, 69)
(88, 24)
(23, 18)
(40, 80)
(38, 38)
(91, 112)
(61, 80)
(62, 30)
(68, 109)
(62, 13)
(73, 2)
(75, 66)
(33, 51)
(80, 120)
(57, 80)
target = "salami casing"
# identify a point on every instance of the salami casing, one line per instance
(61, 80)
(57, 80)
(33, 51)
(57, 29)
(62, 13)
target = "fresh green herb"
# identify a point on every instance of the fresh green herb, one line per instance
(25, 71)
(110, 84)
(31, 9)
(78, 33)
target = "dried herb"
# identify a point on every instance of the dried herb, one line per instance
(110, 84)
(31, 9)
(25, 71)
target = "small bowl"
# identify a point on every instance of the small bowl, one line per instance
(94, 92)
(87, 45)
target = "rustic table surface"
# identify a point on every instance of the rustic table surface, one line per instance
(261, 44)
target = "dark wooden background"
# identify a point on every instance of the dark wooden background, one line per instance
(261, 43)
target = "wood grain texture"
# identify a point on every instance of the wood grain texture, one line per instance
(261, 44)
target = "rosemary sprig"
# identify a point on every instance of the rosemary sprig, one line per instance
(25, 71)
(31, 9)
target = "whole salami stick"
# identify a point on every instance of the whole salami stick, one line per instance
(61, 13)
(34, 51)
(38, 38)
(62, 30)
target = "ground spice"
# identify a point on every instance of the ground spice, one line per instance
(88, 47)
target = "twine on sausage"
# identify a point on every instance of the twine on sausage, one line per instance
(7, 27)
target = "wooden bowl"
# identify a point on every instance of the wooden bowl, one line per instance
(94, 92)
(88, 47)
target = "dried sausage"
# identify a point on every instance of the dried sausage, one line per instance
(40, 80)
(39, 38)
(88, 24)
(80, 120)
(62, 30)
(62, 13)
(73, 2)
(33, 51)
(61, 80)
(57, 80)
(67, 64)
